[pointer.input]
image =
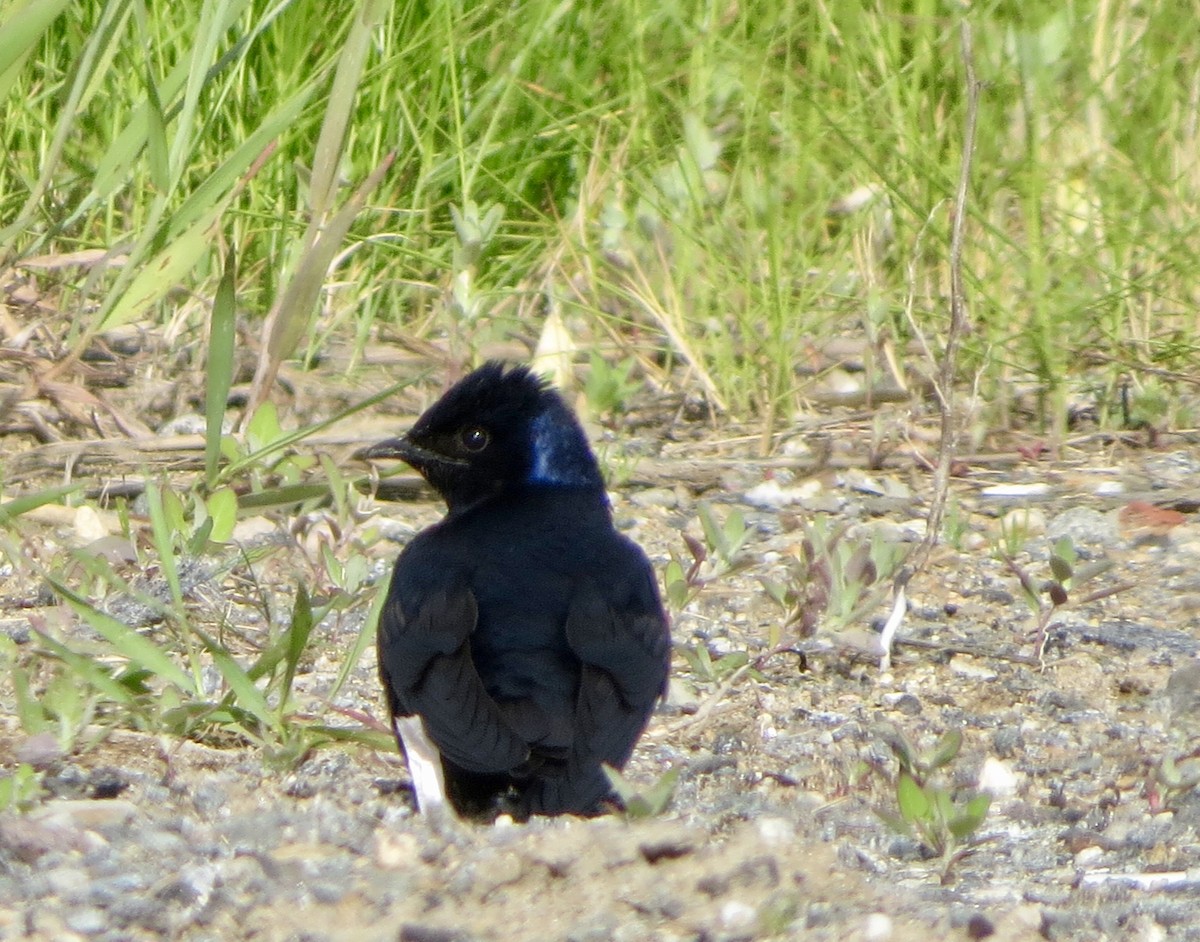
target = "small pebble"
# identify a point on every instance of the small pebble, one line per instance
(878, 928)
(737, 916)
(87, 920)
(997, 778)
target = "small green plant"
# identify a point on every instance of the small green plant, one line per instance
(475, 233)
(956, 524)
(942, 821)
(704, 667)
(609, 385)
(1047, 599)
(643, 803)
(1014, 532)
(719, 554)
(720, 550)
(834, 581)
(20, 789)
(617, 463)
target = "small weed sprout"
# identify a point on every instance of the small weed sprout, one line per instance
(1047, 599)
(942, 821)
(834, 581)
(643, 803)
(718, 555)
(956, 524)
(1014, 534)
(721, 549)
(609, 385)
(20, 790)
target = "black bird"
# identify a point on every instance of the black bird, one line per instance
(523, 637)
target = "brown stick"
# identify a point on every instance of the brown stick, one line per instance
(958, 311)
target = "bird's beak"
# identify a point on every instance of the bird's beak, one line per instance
(390, 448)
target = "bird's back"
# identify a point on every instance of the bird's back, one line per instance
(549, 575)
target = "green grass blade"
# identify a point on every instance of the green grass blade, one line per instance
(216, 18)
(219, 369)
(366, 637)
(139, 650)
(191, 229)
(97, 49)
(289, 318)
(11, 509)
(290, 438)
(156, 136)
(162, 532)
(340, 108)
(91, 673)
(297, 640)
(21, 30)
(166, 270)
(247, 694)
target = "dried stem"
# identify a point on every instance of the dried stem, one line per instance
(958, 311)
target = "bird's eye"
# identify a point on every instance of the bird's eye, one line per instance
(474, 438)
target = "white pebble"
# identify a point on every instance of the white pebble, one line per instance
(997, 779)
(878, 928)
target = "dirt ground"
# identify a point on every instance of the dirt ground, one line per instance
(784, 760)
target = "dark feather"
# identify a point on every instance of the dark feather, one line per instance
(523, 629)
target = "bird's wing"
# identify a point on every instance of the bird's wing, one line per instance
(426, 667)
(621, 636)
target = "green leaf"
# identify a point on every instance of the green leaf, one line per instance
(164, 271)
(731, 662)
(291, 312)
(946, 749)
(276, 497)
(220, 366)
(366, 636)
(911, 799)
(645, 804)
(198, 542)
(297, 638)
(966, 822)
(894, 821)
(1061, 568)
(21, 29)
(901, 748)
(263, 429)
(30, 714)
(156, 136)
(735, 531)
(714, 533)
(659, 795)
(222, 507)
(11, 509)
(246, 694)
(20, 789)
(89, 672)
(166, 520)
(140, 651)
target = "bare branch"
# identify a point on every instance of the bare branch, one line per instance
(958, 310)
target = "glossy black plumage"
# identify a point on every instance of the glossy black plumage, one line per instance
(523, 630)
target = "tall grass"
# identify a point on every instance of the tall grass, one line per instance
(665, 170)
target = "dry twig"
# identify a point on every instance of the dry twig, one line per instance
(944, 387)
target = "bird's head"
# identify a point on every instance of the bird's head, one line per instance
(497, 429)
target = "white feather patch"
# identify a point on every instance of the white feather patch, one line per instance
(424, 763)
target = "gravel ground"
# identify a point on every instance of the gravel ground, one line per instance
(772, 831)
